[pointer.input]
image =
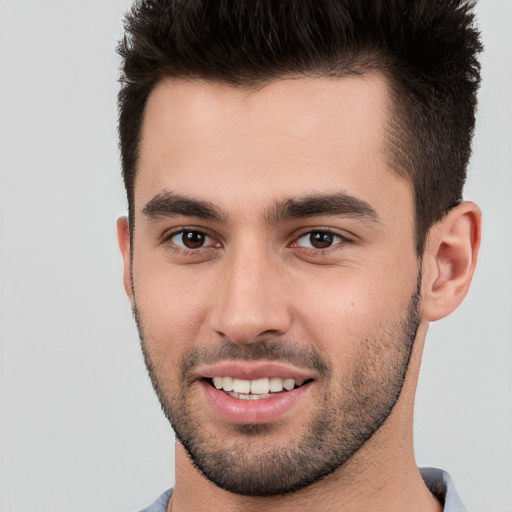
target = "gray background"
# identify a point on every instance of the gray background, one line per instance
(79, 426)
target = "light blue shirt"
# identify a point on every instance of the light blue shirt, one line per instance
(437, 480)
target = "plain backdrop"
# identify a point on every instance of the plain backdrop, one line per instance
(80, 428)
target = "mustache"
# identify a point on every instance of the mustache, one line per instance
(264, 350)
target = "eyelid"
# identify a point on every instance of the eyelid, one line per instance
(168, 235)
(330, 231)
(344, 241)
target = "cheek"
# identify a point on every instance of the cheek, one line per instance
(172, 307)
(348, 308)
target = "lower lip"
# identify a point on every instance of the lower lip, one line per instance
(264, 410)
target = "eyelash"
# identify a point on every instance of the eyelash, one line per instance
(187, 250)
(341, 242)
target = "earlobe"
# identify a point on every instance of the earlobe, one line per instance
(450, 260)
(123, 238)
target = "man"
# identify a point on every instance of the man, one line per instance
(294, 172)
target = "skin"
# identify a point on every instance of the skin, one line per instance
(256, 278)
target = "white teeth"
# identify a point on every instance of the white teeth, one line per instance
(288, 384)
(276, 384)
(241, 386)
(247, 396)
(258, 387)
(227, 383)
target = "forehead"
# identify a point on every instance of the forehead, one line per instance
(287, 138)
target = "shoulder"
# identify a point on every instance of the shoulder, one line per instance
(442, 487)
(160, 504)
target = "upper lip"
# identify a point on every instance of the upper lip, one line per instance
(252, 370)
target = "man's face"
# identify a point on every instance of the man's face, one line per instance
(273, 258)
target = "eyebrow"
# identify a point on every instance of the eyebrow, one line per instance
(169, 204)
(339, 203)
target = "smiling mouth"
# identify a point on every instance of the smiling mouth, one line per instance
(255, 389)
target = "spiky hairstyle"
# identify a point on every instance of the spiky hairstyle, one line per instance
(426, 49)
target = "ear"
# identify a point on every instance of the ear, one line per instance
(450, 259)
(123, 238)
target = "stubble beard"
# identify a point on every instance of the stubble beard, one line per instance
(348, 412)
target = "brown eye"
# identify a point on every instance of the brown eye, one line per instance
(319, 240)
(190, 239)
(193, 239)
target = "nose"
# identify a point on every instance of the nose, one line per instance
(251, 301)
